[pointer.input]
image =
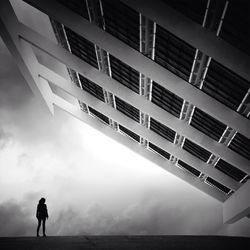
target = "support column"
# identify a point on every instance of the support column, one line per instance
(95, 12)
(237, 205)
(23, 54)
(147, 48)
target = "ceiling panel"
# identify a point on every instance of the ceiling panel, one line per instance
(122, 22)
(92, 88)
(166, 100)
(158, 150)
(173, 53)
(81, 47)
(162, 130)
(129, 133)
(218, 185)
(241, 145)
(189, 168)
(194, 9)
(78, 6)
(124, 74)
(224, 85)
(230, 170)
(99, 115)
(127, 109)
(207, 124)
(196, 150)
(235, 29)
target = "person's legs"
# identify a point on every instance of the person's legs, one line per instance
(44, 220)
(38, 227)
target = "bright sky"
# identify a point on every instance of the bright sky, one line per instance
(92, 184)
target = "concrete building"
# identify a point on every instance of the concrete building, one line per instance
(168, 79)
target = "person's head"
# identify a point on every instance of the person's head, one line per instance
(42, 200)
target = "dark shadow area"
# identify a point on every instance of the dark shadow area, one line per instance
(125, 242)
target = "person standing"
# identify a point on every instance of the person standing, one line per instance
(41, 215)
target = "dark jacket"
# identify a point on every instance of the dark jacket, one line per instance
(41, 212)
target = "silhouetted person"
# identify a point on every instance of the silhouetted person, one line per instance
(41, 215)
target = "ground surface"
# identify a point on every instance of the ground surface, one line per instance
(125, 242)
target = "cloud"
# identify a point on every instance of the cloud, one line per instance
(5, 138)
(136, 219)
(151, 216)
(15, 220)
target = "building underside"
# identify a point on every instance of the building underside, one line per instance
(168, 79)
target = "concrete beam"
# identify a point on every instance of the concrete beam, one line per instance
(139, 149)
(23, 54)
(237, 205)
(193, 33)
(145, 65)
(96, 16)
(132, 98)
(138, 129)
(147, 44)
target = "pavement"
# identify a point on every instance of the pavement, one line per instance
(124, 242)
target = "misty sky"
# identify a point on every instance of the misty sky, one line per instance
(92, 184)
